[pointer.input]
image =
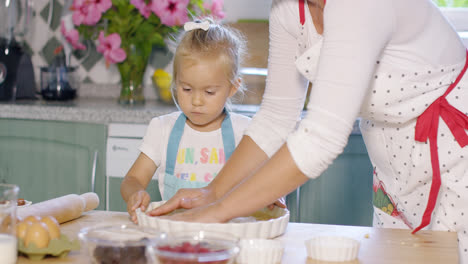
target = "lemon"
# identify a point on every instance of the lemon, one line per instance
(163, 81)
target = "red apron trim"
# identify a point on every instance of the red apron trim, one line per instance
(301, 12)
(426, 128)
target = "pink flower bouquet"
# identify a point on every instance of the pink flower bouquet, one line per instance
(127, 30)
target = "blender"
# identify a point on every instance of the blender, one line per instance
(16, 69)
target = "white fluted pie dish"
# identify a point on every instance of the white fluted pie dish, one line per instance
(255, 226)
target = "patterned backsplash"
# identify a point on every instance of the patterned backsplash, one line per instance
(98, 81)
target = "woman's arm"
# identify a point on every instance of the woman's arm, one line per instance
(278, 177)
(282, 102)
(247, 158)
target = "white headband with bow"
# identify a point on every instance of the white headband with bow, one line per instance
(205, 25)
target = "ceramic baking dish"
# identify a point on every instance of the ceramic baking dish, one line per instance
(242, 227)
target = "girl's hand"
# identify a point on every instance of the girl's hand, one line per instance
(281, 202)
(187, 199)
(140, 199)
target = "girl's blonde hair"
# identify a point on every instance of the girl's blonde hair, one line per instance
(223, 42)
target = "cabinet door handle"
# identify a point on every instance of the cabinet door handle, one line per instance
(298, 204)
(93, 172)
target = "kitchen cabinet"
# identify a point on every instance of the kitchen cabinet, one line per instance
(116, 202)
(122, 150)
(48, 159)
(342, 195)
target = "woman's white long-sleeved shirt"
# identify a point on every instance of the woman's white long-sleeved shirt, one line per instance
(360, 39)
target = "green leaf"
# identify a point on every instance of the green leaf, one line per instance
(135, 31)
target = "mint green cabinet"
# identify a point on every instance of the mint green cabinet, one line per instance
(116, 202)
(48, 159)
(342, 195)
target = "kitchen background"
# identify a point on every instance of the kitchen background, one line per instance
(56, 148)
(44, 37)
(99, 81)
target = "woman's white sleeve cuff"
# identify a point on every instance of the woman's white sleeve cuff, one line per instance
(319, 139)
(266, 139)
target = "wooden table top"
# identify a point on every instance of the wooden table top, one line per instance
(378, 245)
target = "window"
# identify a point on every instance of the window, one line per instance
(456, 11)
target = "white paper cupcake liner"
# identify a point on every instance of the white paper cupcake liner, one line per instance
(332, 248)
(259, 229)
(260, 251)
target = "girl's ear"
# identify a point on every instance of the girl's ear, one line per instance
(235, 86)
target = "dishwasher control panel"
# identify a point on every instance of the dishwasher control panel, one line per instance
(122, 147)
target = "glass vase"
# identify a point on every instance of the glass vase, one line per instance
(131, 72)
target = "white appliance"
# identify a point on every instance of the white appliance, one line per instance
(122, 150)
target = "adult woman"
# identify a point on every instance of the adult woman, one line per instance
(386, 61)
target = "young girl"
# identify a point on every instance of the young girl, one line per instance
(188, 148)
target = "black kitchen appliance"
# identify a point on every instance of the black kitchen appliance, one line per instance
(16, 70)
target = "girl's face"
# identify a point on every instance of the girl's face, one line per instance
(202, 88)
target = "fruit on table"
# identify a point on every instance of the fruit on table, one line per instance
(163, 81)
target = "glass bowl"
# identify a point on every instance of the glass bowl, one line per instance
(197, 247)
(119, 244)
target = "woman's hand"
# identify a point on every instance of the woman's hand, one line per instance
(281, 202)
(204, 214)
(137, 200)
(187, 199)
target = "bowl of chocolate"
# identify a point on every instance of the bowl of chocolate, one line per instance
(118, 244)
(197, 247)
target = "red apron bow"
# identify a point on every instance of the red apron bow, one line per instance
(426, 128)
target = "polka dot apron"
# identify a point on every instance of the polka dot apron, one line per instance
(408, 122)
(420, 168)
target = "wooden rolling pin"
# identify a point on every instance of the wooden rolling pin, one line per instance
(64, 208)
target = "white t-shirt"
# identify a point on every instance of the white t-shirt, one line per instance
(200, 155)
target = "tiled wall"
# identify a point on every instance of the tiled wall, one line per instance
(99, 81)
(44, 37)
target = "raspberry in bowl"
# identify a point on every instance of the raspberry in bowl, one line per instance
(197, 247)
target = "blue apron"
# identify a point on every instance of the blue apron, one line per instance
(171, 182)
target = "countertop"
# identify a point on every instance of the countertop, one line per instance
(378, 245)
(102, 111)
(94, 110)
